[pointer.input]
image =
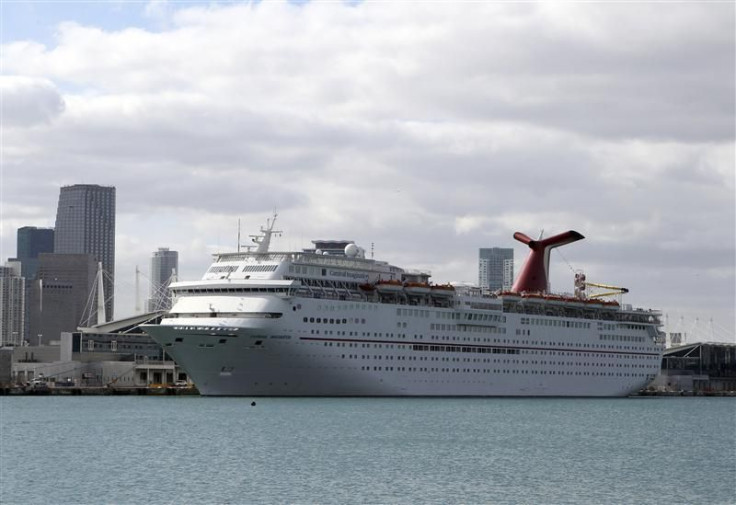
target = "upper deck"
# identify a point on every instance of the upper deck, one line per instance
(339, 270)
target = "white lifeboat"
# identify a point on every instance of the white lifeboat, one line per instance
(443, 290)
(417, 288)
(389, 286)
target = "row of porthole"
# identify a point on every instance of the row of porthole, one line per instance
(510, 351)
(496, 371)
(577, 364)
(332, 320)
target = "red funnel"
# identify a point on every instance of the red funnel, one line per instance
(534, 276)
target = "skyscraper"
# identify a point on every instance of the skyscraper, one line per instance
(85, 224)
(164, 264)
(12, 301)
(60, 297)
(33, 241)
(496, 268)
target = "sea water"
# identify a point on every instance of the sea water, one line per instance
(374, 450)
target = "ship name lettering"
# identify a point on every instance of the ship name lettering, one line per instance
(350, 275)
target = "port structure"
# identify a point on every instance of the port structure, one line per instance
(582, 292)
(612, 290)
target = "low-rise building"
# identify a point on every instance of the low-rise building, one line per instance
(699, 368)
(116, 354)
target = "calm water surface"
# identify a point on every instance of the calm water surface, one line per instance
(210, 450)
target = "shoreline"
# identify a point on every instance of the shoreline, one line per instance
(193, 391)
(99, 391)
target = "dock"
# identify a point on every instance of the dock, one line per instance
(98, 391)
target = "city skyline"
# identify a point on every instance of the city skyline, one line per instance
(423, 132)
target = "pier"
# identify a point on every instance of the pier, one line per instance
(36, 390)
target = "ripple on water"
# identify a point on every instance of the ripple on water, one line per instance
(223, 450)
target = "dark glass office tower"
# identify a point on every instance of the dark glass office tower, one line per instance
(85, 224)
(33, 241)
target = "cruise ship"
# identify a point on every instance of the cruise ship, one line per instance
(329, 321)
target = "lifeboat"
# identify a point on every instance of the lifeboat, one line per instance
(417, 288)
(557, 300)
(443, 290)
(593, 301)
(390, 286)
(367, 287)
(532, 296)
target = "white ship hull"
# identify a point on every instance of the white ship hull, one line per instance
(330, 322)
(372, 349)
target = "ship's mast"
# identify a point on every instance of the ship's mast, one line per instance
(264, 240)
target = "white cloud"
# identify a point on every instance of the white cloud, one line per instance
(469, 224)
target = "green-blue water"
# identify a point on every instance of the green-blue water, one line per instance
(209, 450)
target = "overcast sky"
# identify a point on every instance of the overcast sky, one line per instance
(428, 129)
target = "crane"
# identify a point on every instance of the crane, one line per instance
(612, 290)
(581, 285)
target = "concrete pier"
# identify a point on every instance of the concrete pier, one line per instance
(97, 391)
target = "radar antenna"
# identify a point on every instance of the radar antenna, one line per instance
(263, 241)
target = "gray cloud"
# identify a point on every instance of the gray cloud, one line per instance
(430, 130)
(29, 101)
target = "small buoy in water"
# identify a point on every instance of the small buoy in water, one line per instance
(252, 404)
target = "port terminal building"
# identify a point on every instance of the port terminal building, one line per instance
(698, 368)
(115, 354)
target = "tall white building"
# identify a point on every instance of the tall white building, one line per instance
(12, 304)
(164, 265)
(496, 268)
